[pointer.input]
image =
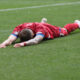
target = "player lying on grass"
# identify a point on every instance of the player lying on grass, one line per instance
(34, 33)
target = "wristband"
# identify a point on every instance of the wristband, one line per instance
(24, 44)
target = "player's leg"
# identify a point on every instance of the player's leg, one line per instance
(71, 27)
(78, 22)
(43, 20)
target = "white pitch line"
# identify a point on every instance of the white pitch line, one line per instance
(50, 5)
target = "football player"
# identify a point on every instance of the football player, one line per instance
(34, 33)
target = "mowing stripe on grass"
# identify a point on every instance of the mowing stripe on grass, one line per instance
(31, 7)
(57, 4)
(5, 31)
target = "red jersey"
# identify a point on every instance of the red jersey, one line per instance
(49, 31)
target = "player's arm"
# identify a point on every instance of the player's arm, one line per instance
(37, 39)
(9, 41)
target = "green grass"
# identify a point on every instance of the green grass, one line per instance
(57, 59)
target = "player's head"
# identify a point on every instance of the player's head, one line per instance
(25, 34)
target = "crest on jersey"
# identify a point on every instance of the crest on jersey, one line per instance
(29, 24)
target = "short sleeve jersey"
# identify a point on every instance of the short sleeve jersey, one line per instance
(45, 29)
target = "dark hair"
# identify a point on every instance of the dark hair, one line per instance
(25, 35)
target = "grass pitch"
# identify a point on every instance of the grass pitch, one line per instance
(57, 59)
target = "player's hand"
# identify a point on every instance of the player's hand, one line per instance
(18, 45)
(2, 46)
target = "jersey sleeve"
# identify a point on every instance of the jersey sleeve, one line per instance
(40, 30)
(16, 30)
